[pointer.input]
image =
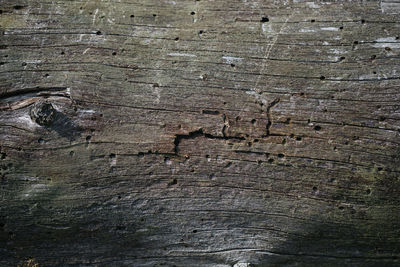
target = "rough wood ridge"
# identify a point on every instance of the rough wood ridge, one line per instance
(199, 133)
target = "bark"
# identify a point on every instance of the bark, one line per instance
(199, 133)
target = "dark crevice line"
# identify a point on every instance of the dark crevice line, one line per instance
(200, 133)
(25, 91)
(19, 128)
(268, 111)
(170, 39)
(354, 125)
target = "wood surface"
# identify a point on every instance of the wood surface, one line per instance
(199, 133)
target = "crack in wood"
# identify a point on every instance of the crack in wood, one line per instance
(33, 90)
(225, 127)
(269, 123)
(22, 98)
(200, 133)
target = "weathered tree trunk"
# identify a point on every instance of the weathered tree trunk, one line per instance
(199, 133)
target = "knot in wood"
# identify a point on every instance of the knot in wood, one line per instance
(43, 113)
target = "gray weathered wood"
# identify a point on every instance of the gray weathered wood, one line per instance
(199, 133)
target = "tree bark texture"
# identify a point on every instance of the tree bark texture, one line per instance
(199, 133)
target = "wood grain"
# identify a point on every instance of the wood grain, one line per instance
(199, 133)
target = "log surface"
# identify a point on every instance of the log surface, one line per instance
(199, 133)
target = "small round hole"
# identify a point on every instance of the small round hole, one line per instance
(312, 21)
(192, 13)
(264, 19)
(132, 16)
(317, 128)
(322, 78)
(98, 33)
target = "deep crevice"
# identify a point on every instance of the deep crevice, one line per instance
(269, 107)
(200, 133)
(34, 90)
